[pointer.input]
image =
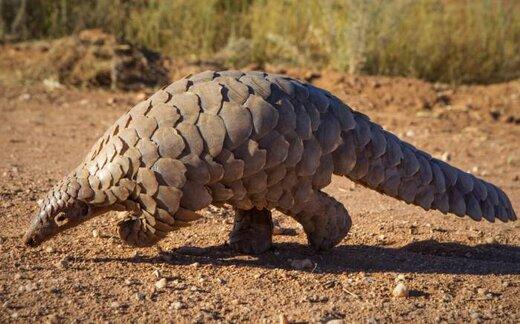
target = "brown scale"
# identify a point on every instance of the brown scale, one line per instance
(213, 132)
(196, 169)
(233, 90)
(210, 96)
(253, 156)
(238, 123)
(264, 116)
(277, 149)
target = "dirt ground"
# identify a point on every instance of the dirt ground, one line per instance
(456, 270)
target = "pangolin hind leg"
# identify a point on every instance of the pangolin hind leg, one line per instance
(325, 221)
(252, 231)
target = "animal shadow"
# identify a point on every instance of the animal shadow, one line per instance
(426, 257)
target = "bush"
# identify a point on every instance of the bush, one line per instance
(458, 41)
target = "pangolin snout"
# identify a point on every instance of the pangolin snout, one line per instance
(62, 215)
(40, 229)
(30, 241)
(33, 237)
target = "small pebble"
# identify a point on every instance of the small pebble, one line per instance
(63, 263)
(336, 321)
(24, 97)
(318, 299)
(400, 278)
(95, 233)
(52, 319)
(302, 264)
(49, 249)
(18, 276)
(140, 96)
(161, 283)
(282, 319)
(513, 160)
(140, 296)
(474, 315)
(368, 280)
(329, 284)
(177, 305)
(309, 76)
(157, 274)
(446, 156)
(491, 240)
(114, 304)
(481, 291)
(400, 290)
(31, 287)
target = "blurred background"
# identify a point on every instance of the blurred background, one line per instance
(452, 41)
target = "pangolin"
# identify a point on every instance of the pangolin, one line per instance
(257, 142)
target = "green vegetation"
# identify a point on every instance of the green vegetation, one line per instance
(460, 41)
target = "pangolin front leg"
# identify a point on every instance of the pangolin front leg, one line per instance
(252, 231)
(141, 228)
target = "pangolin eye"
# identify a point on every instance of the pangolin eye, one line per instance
(83, 209)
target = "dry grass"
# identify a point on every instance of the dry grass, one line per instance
(460, 41)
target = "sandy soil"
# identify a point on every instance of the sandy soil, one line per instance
(457, 270)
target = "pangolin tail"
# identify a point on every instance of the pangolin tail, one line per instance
(379, 160)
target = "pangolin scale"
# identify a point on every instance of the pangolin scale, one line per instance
(257, 142)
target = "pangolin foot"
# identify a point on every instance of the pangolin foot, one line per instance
(252, 231)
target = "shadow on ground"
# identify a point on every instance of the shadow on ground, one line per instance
(419, 257)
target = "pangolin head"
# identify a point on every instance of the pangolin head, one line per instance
(60, 210)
